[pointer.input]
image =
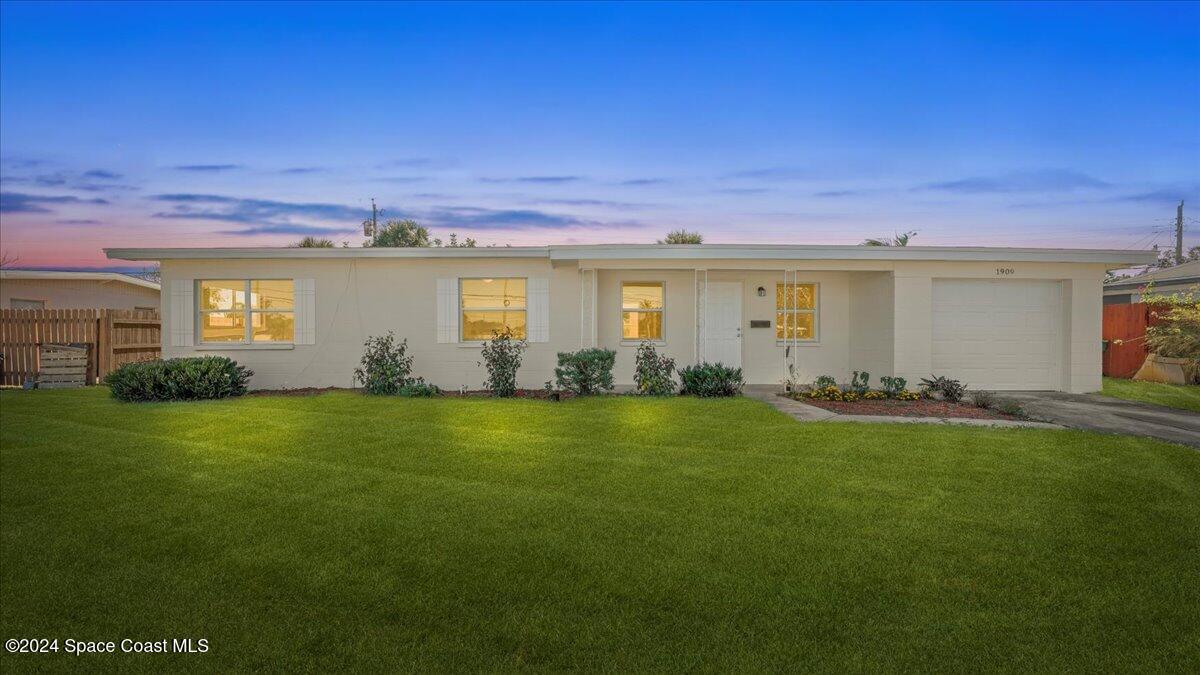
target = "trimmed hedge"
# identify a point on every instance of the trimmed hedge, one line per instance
(587, 371)
(186, 379)
(710, 380)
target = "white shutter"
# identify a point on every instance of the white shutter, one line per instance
(306, 311)
(447, 310)
(538, 310)
(183, 312)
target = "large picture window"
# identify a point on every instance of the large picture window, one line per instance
(796, 312)
(491, 306)
(247, 311)
(642, 310)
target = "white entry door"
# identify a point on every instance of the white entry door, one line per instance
(723, 323)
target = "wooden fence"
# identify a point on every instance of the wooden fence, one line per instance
(113, 337)
(1127, 323)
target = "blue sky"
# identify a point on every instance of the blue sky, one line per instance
(252, 124)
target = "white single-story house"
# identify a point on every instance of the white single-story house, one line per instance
(996, 318)
(47, 289)
(1183, 278)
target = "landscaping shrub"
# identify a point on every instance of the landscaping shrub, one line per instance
(874, 395)
(906, 395)
(892, 386)
(502, 357)
(185, 379)
(824, 381)
(386, 366)
(709, 380)
(983, 399)
(652, 372)
(419, 388)
(859, 383)
(587, 371)
(944, 388)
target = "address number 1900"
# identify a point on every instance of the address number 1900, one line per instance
(1005, 271)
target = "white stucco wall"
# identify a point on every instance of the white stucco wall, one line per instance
(873, 315)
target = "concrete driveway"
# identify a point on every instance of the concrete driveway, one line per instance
(1103, 413)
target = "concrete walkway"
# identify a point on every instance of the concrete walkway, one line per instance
(1111, 415)
(811, 413)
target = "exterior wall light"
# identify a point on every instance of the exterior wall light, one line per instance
(762, 292)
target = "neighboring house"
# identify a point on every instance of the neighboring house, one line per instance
(1179, 279)
(41, 289)
(995, 318)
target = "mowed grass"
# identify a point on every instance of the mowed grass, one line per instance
(1182, 396)
(345, 532)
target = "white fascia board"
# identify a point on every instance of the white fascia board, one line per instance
(323, 253)
(659, 252)
(891, 253)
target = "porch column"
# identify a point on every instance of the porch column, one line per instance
(701, 312)
(587, 308)
(913, 323)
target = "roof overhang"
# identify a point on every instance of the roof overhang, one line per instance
(1113, 258)
(51, 275)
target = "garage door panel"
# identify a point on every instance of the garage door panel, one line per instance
(1002, 334)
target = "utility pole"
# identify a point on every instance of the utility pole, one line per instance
(1179, 234)
(372, 226)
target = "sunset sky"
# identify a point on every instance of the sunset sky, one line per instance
(1072, 125)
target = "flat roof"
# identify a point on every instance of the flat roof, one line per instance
(1117, 258)
(51, 275)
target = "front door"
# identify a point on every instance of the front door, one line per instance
(723, 323)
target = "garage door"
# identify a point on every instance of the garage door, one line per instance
(998, 334)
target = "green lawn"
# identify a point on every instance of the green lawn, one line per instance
(339, 532)
(1185, 397)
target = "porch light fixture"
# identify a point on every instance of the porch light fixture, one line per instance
(762, 292)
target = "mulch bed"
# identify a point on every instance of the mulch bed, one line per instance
(922, 408)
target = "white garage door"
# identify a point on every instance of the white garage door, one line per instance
(998, 334)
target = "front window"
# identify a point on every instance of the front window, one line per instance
(796, 312)
(492, 306)
(642, 310)
(247, 311)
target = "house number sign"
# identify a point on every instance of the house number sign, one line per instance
(1005, 271)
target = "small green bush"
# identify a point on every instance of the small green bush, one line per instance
(386, 366)
(824, 382)
(502, 357)
(419, 388)
(709, 380)
(652, 372)
(186, 379)
(944, 387)
(587, 371)
(983, 399)
(859, 383)
(892, 386)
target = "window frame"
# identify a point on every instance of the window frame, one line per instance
(461, 310)
(247, 314)
(815, 312)
(661, 339)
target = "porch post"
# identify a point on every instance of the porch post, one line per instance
(587, 308)
(701, 311)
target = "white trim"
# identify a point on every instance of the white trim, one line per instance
(661, 252)
(79, 276)
(447, 310)
(183, 308)
(305, 291)
(537, 309)
(242, 346)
